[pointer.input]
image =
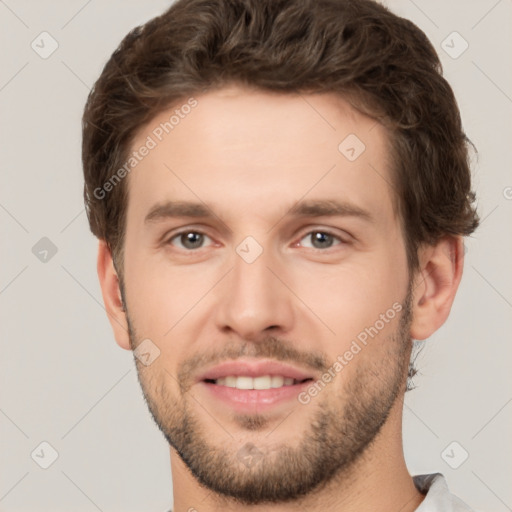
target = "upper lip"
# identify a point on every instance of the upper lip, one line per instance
(253, 369)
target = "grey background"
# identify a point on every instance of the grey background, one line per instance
(63, 380)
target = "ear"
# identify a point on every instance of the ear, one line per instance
(436, 284)
(111, 292)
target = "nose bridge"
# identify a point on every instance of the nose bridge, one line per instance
(253, 298)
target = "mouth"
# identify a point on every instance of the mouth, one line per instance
(253, 386)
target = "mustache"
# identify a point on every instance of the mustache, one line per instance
(270, 347)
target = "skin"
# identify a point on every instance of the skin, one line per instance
(250, 156)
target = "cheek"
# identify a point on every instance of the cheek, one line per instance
(364, 312)
(159, 294)
(351, 297)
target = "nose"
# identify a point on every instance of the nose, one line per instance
(254, 298)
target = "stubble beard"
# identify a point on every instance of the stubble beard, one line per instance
(339, 433)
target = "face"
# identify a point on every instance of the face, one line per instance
(264, 260)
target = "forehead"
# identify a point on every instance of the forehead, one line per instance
(256, 152)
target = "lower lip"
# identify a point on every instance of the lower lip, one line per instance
(254, 400)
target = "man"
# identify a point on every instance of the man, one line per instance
(280, 189)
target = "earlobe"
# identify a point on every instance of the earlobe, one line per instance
(436, 284)
(111, 293)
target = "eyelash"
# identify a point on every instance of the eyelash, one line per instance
(198, 232)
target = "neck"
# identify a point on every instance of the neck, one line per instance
(378, 481)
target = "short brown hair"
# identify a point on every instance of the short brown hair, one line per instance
(383, 64)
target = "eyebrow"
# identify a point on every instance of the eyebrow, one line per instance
(311, 208)
(328, 207)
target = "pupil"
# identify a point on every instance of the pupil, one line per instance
(322, 238)
(192, 240)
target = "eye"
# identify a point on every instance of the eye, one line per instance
(189, 240)
(321, 239)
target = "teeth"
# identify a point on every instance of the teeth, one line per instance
(229, 381)
(262, 382)
(244, 383)
(277, 381)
